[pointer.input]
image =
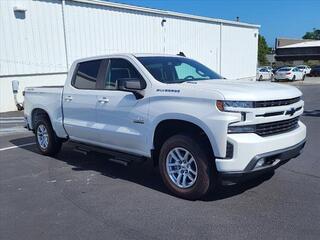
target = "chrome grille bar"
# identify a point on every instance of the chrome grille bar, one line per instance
(275, 103)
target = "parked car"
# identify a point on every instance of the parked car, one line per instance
(289, 73)
(276, 69)
(264, 74)
(199, 128)
(267, 67)
(315, 71)
(306, 69)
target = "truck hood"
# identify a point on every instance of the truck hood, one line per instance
(240, 90)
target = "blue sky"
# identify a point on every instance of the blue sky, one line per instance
(278, 18)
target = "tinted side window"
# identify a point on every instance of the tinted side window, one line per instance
(87, 74)
(118, 69)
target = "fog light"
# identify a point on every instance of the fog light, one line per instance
(260, 163)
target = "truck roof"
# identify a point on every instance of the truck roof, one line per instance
(126, 55)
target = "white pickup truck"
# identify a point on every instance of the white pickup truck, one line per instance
(199, 128)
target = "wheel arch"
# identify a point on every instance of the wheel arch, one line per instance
(169, 127)
(53, 114)
(36, 114)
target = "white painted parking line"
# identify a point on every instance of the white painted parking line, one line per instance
(13, 147)
(12, 121)
(13, 129)
(11, 118)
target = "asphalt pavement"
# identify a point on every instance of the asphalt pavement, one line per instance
(76, 196)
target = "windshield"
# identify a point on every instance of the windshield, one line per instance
(177, 69)
(284, 69)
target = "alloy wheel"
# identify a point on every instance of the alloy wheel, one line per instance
(181, 167)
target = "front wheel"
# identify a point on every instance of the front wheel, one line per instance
(304, 76)
(294, 78)
(47, 141)
(186, 167)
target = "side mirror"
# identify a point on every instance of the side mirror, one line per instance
(133, 85)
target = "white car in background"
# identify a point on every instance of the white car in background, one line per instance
(267, 67)
(289, 73)
(264, 74)
(306, 69)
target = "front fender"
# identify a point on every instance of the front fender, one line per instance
(214, 127)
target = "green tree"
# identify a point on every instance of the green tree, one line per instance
(263, 50)
(315, 34)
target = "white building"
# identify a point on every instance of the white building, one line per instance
(40, 39)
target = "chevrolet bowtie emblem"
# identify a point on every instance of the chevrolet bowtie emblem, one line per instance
(291, 111)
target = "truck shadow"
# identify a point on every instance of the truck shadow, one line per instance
(311, 113)
(144, 174)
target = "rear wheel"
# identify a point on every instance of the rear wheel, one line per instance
(185, 167)
(294, 78)
(47, 141)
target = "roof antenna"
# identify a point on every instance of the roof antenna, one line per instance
(181, 54)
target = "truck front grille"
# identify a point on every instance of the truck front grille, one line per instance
(276, 103)
(267, 129)
(272, 128)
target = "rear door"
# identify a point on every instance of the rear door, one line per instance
(121, 117)
(80, 101)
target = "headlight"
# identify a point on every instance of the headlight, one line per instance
(224, 105)
(242, 129)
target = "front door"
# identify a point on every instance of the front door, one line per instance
(121, 117)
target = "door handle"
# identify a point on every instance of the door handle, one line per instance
(103, 100)
(68, 99)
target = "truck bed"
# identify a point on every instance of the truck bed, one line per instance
(49, 99)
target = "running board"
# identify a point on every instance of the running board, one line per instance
(119, 161)
(115, 156)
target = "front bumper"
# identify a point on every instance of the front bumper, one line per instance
(274, 159)
(249, 148)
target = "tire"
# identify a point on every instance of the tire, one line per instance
(304, 76)
(43, 128)
(260, 78)
(205, 171)
(293, 78)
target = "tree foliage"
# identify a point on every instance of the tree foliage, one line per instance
(315, 34)
(263, 50)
